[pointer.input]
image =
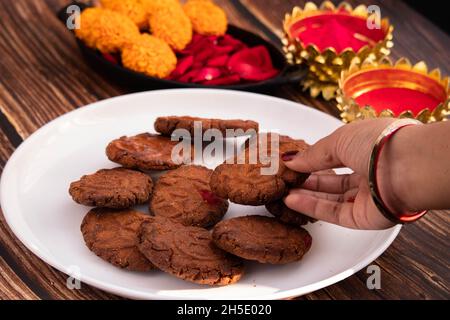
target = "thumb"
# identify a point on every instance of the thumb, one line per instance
(320, 156)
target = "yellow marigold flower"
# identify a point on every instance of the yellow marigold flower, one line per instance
(105, 30)
(172, 25)
(149, 55)
(206, 17)
(136, 10)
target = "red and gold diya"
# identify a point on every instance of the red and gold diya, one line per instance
(328, 38)
(385, 89)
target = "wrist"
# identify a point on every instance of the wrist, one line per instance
(396, 176)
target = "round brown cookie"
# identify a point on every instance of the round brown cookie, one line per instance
(246, 183)
(167, 125)
(112, 188)
(188, 253)
(113, 236)
(144, 151)
(263, 239)
(287, 215)
(185, 196)
(286, 144)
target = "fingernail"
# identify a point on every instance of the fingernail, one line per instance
(288, 156)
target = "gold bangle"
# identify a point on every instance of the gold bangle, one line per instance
(382, 139)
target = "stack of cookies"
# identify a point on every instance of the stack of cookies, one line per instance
(186, 202)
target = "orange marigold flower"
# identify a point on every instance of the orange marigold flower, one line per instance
(87, 21)
(154, 5)
(172, 25)
(136, 10)
(206, 17)
(105, 30)
(149, 55)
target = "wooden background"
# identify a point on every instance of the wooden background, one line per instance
(43, 76)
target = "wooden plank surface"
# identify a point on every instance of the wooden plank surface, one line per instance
(42, 76)
(11, 286)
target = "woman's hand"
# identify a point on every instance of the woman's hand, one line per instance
(344, 199)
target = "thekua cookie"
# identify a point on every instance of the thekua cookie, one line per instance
(113, 236)
(116, 188)
(184, 195)
(188, 253)
(287, 215)
(144, 151)
(167, 125)
(263, 239)
(251, 182)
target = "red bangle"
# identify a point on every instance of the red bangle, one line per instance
(373, 166)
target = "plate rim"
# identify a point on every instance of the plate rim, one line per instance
(136, 294)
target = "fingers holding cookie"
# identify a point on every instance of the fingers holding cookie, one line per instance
(287, 215)
(258, 176)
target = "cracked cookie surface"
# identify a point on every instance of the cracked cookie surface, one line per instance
(113, 236)
(263, 239)
(187, 253)
(244, 181)
(145, 151)
(184, 195)
(116, 188)
(167, 125)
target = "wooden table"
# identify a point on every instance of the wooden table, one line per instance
(43, 76)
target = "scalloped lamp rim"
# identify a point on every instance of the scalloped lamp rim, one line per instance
(431, 83)
(343, 9)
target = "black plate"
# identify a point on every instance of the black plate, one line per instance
(288, 74)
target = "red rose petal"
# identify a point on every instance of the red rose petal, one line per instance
(198, 65)
(213, 39)
(207, 73)
(210, 197)
(224, 50)
(182, 66)
(228, 40)
(255, 75)
(189, 76)
(196, 38)
(205, 54)
(258, 56)
(263, 54)
(224, 60)
(110, 58)
(220, 61)
(196, 47)
(226, 80)
(261, 76)
(252, 64)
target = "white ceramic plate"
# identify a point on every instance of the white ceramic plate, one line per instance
(40, 212)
